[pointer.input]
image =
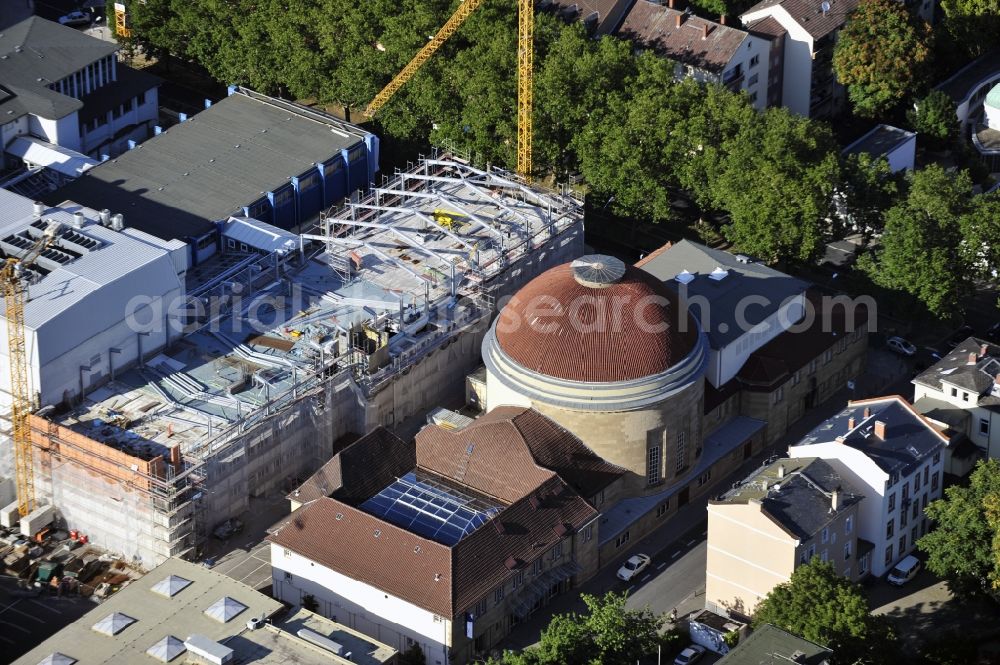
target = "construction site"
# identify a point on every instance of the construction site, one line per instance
(374, 318)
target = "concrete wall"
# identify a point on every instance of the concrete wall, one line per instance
(63, 132)
(729, 360)
(797, 75)
(105, 139)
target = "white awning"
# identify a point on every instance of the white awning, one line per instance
(37, 152)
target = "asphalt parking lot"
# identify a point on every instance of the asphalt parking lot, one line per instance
(25, 622)
(250, 566)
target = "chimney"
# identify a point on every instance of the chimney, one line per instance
(983, 348)
(722, 20)
(781, 471)
(835, 499)
(880, 429)
(670, 3)
(39, 208)
(175, 459)
(679, 19)
(704, 31)
(868, 412)
(850, 423)
(973, 358)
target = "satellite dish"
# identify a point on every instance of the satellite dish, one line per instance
(825, 7)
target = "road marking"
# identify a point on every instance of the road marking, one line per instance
(254, 571)
(690, 543)
(14, 625)
(662, 566)
(30, 616)
(675, 555)
(44, 606)
(6, 640)
(629, 590)
(645, 578)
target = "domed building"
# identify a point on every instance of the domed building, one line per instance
(605, 350)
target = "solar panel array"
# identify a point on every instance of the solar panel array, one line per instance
(430, 509)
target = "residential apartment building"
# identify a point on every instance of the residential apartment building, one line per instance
(894, 457)
(776, 519)
(809, 86)
(65, 94)
(706, 51)
(962, 392)
(448, 543)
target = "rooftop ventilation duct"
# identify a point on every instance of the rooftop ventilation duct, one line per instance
(105, 217)
(79, 220)
(118, 222)
(38, 208)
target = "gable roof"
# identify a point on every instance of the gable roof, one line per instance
(954, 368)
(909, 437)
(517, 447)
(35, 53)
(809, 14)
(696, 42)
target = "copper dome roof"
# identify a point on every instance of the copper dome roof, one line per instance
(595, 320)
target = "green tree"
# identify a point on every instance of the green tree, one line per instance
(824, 607)
(920, 252)
(981, 236)
(868, 189)
(963, 546)
(879, 55)
(933, 116)
(608, 634)
(972, 25)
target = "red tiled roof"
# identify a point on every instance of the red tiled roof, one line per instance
(652, 255)
(624, 331)
(397, 561)
(513, 450)
(767, 28)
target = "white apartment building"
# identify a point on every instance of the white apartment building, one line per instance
(894, 457)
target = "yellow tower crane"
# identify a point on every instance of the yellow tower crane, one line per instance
(15, 291)
(525, 52)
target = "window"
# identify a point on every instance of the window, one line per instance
(703, 478)
(890, 528)
(480, 608)
(621, 540)
(536, 567)
(848, 524)
(984, 426)
(916, 509)
(588, 533)
(827, 356)
(927, 474)
(809, 553)
(965, 397)
(902, 543)
(779, 394)
(916, 482)
(653, 465)
(498, 595)
(141, 99)
(847, 550)
(888, 555)
(937, 458)
(913, 535)
(796, 377)
(812, 366)
(906, 492)
(557, 551)
(288, 576)
(903, 518)
(842, 345)
(754, 60)
(753, 80)
(681, 452)
(517, 580)
(287, 553)
(923, 503)
(661, 509)
(825, 537)
(934, 481)
(825, 556)
(954, 392)
(892, 502)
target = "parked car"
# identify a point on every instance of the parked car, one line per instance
(904, 571)
(691, 654)
(901, 346)
(635, 565)
(77, 17)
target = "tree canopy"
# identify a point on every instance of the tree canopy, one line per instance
(964, 546)
(608, 634)
(880, 55)
(933, 116)
(826, 608)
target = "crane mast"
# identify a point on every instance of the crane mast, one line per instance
(525, 52)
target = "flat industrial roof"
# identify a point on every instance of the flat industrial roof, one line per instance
(207, 168)
(881, 140)
(156, 616)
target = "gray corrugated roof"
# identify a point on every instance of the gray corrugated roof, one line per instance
(908, 441)
(35, 53)
(743, 280)
(85, 296)
(177, 184)
(259, 235)
(881, 140)
(770, 645)
(799, 498)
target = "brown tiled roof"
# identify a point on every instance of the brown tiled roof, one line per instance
(608, 12)
(809, 14)
(361, 469)
(397, 561)
(773, 363)
(699, 43)
(652, 255)
(766, 28)
(528, 532)
(558, 449)
(627, 330)
(485, 457)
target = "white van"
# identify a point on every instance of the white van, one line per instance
(904, 571)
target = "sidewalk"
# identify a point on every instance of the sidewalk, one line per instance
(886, 374)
